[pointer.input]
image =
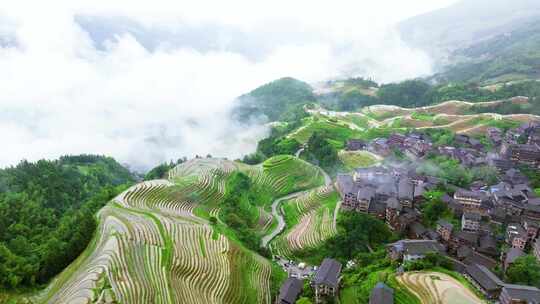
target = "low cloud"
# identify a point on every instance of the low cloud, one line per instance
(150, 87)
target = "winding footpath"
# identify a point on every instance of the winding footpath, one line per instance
(276, 213)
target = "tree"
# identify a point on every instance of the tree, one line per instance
(304, 300)
(434, 208)
(409, 93)
(322, 150)
(47, 213)
(525, 270)
(487, 174)
(353, 99)
(355, 231)
(274, 100)
(446, 168)
(286, 146)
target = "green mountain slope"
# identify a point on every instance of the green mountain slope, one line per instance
(511, 56)
(47, 214)
(273, 99)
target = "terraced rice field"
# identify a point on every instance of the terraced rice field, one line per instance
(151, 248)
(337, 129)
(449, 115)
(438, 288)
(286, 174)
(310, 221)
(452, 107)
(151, 245)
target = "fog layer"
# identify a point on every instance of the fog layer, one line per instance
(147, 84)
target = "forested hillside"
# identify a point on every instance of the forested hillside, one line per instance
(420, 92)
(47, 213)
(273, 99)
(510, 56)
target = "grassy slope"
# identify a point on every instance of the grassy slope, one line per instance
(355, 159)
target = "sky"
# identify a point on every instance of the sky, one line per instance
(147, 82)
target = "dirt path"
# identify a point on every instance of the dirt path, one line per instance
(277, 214)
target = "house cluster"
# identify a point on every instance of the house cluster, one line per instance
(412, 144)
(394, 194)
(475, 271)
(325, 282)
(390, 193)
(522, 145)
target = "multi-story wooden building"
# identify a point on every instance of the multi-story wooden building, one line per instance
(470, 221)
(326, 280)
(444, 228)
(516, 236)
(470, 200)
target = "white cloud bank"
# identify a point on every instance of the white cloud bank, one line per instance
(149, 83)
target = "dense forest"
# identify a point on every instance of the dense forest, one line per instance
(418, 93)
(47, 213)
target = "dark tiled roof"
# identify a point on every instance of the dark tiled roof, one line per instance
(513, 254)
(366, 193)
(388, 188)
(488, 242)
(477, 258)
(393, 203)
(432, 235)
(419, 191)
(523, 188)
(328, 273)
(532, 207)
(405, 189)
(463, 251)
(484, 277)
(527, 293)
(345, 183)
(381, 294)
(445, 224)
(289, 291)
(472, 216)
(418, 229)
(470, 237)
(498, 214)
(418, 247)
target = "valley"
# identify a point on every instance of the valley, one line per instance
(351, 189)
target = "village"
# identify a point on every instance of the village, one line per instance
(492, 224)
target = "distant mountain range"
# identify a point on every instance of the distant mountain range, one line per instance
(480, 40)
